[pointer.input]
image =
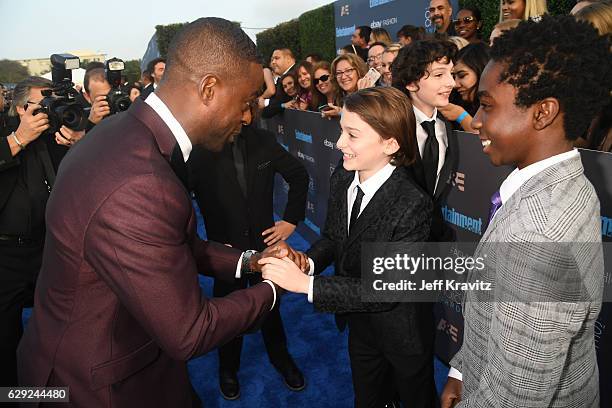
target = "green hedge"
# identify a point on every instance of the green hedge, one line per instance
(318, 32)
(284, 35)
(164, 36)
(490, 11)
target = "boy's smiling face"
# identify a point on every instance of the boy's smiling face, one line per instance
(506, 130)
(434, 88)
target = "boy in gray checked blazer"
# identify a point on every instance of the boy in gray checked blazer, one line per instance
(531, 343)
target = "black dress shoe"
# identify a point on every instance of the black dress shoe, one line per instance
(294, 380)
(228, 384)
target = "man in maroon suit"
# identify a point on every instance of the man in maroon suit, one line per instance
(118, 309)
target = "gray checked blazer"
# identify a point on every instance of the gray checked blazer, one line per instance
(544, 249)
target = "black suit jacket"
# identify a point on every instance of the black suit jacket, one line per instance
(399, 211)
(10, 167)
(440, 231)
(229, 216)
(148, 90)
(274, 106)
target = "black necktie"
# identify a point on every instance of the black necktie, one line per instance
(356, 208)
(238, 152)
(177, 162)
(431, 152)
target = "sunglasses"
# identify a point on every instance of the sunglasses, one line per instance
(465, 20)
(322, 78)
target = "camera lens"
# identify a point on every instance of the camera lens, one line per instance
(71, 115)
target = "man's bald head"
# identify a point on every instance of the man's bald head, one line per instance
(282, 59)
(210, 45)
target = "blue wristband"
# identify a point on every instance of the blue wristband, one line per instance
(461, 117)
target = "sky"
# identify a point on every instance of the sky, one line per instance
(123, 28)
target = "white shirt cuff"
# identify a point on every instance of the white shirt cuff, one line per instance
(454, 373)
(266, 102)
(312, 269)
(238, 267)
(311, 289)
(269, 282)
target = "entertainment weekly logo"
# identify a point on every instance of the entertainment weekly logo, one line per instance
(376, 3)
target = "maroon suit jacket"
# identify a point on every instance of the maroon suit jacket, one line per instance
(118, 309)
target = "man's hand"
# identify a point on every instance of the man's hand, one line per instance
(285, 274)
(280, 231)
(68, 137)
(451, 394)
(31, 126)
(99, 109)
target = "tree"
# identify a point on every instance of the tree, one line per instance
(132, 70)
(12, 72)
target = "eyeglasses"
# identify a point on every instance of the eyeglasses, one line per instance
(464, 20)
(375, 58)
(348, 72)
(322, 78)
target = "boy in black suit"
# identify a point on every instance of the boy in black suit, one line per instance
(423, 72)
(234, 190)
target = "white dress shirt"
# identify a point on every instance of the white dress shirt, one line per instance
(369, 188)
(511, 184)
(185, 144)
(441, 136)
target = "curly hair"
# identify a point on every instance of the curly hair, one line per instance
(559, 58)
(413, 60)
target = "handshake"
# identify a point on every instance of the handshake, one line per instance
(284, 266)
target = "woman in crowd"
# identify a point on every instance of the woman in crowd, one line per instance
(269, 89)
(598, 14)
(521, 9)
(387, 59)
(469, 64)
(501, 27)
(468, 24)
(289, 81)
(346, 71)
(379, 35)
(304, 74)
(372, 199)
(325, 90)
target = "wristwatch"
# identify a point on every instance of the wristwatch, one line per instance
(246, 261)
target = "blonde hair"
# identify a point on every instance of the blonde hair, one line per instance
(460, 42)
(533, 8)
(598, 14)
(507, 24)
(380, 35)
(393, 48)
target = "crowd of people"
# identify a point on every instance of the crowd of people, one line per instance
(105, 243)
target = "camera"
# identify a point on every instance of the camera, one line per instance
(118, 100)
(59, 103)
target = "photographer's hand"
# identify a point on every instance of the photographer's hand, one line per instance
(30, 127)
(67, 136)
(99, 109)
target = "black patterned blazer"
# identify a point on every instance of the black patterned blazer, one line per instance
(399, 211)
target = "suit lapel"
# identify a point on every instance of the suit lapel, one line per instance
(346, 178)
(384, 197)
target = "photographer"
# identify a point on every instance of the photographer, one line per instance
(96, 88)
(29, 159)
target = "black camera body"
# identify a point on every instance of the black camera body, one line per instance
(60, 103)
(118, 100)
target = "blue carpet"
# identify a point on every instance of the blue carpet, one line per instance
(315, 344)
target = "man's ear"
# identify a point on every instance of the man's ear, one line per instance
(208, 86)
(545, 112)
